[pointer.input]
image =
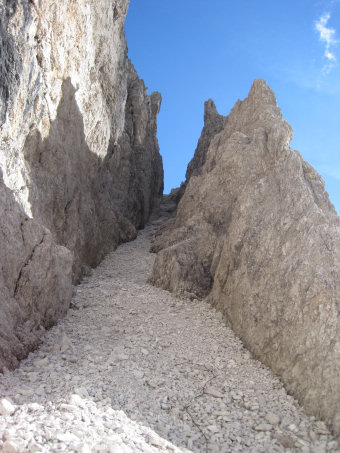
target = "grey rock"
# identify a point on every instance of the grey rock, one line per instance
(35, 280)
(78, 155)
(263, 427)
(214, 123)
(256, 233)
(213, 392)
(272, 419)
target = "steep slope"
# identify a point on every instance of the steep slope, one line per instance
(78, 146)
(256, 232)
(132, 367)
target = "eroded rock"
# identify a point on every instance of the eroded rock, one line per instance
(78, 153)
(35, 280)
(255, 230)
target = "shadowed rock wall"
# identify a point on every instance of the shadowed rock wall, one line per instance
(78, 147)
(256, 233)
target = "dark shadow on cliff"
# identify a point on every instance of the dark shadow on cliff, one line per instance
(35, 280)
(69, 188)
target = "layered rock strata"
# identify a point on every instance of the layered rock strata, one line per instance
(256, 233)
(78, 147)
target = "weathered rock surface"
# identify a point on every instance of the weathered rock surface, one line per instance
(214, 123)
(78, 146)
(131, 368)
(256, 232)
(35, 280)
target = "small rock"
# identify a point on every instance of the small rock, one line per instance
(145, 351)
(152, 440)
(263, 427)
(34, 407)
(272, 419)
(333, 445)
(64, 343)
(213, 428)
(41, 363)
(10, 447)
(138, 374)
(76, 400)
(286, 441)
(214, 392)
(175, 411)
(6, 407)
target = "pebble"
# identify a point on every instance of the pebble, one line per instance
(272, 419)
(263, 427)
(10, 447)
(135, 369)
(6, 407)
(214, 392)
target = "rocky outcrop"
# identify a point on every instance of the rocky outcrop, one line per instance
(35, 280)
(256, 233)
(78, 146)
(214, 123)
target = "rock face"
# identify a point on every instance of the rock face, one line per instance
(213, 124)
(256, 233)
(78, 147)
(35, 280)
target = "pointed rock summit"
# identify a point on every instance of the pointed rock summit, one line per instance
(213, 124)
(256, 233)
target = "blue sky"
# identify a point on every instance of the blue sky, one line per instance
(193, 50)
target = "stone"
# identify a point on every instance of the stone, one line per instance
(154, 441)
(6, 407)
(10, 447)
(35, 282)
(272, 419)
(263, 427)
(214, 123)
(256, 234)
(64, 343)
(213, 392)
(80, 169)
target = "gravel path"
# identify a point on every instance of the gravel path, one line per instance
(132, 368)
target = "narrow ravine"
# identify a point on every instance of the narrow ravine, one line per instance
(132, 368)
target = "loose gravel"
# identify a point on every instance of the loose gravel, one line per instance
(131, 368)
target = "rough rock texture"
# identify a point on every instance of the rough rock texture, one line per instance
(213, 124)
(132, 368)
(78, 146)
(257, 232)
(35, 280)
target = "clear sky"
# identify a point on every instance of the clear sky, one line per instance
(193, 50)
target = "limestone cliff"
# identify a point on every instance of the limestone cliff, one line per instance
(256, 233)
(78, 151)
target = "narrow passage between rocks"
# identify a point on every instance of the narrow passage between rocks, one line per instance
(132, 368)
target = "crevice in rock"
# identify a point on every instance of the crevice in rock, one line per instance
(27, 262)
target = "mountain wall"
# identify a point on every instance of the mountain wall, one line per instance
(256, 234)
(79, 157)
